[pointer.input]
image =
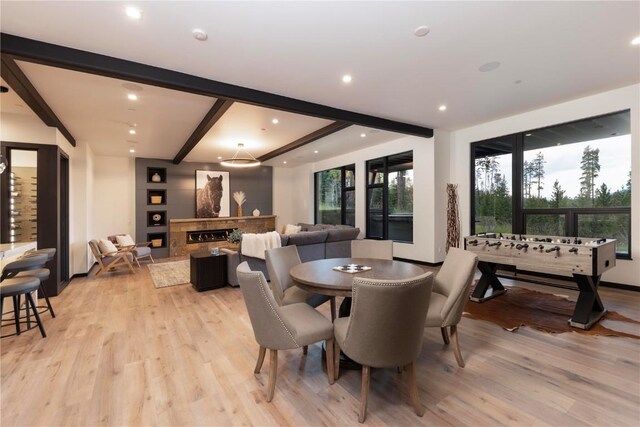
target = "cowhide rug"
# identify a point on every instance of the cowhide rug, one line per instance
(545, 312)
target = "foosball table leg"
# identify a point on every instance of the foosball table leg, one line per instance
(489, 285)
(589, 308)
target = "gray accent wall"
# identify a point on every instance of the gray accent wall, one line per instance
(181, 193)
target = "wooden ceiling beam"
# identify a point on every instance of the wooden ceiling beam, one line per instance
(88, 62)
(211, 118)
(307, 139)
(18, 81)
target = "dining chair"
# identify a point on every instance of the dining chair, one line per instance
(366, 248)
(385, 329)
(279, 262)
(278, 327)
(451, 288)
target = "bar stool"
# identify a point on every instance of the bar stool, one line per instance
(40, 273)
(28, 267)
(15, 288)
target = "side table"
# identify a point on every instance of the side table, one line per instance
(208, 271)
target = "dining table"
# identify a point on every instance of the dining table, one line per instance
(320, 277)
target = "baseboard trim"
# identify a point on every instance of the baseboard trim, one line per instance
(620, 286)
(79, 275)
(412, 261)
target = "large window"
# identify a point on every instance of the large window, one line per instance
(335, 201)
(390, 198)
(572, 179)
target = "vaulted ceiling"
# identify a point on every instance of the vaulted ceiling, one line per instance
(483, 60)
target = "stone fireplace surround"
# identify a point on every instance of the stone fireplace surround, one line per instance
(179, 228)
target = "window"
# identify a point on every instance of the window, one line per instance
(390, 198)
(572, 179)
(335, 201)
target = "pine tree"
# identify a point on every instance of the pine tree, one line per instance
(527, 172)
(590, 166)
(537, 166)
(603, 196)
(557, 195)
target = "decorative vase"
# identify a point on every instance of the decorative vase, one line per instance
(156, 177)
(239, 212)
(256, 212)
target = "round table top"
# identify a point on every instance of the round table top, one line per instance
(320, 277)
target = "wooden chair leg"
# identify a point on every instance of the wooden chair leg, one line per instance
(152, 259)
(336, 360)
(126, 259)
(273, 372)
(136, 260)
(332, 301)
(456, 345)
(445, 335)
(260, 360)
(330, 369)
(364, 393)
(413, 390)
(305, 350)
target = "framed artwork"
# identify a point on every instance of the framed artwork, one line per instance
(212, 194)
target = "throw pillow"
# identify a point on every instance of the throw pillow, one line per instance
(125, 240)
(107, 246)
(291, 229)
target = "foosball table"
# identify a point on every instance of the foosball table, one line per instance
(584, 259)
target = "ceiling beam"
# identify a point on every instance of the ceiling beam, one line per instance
(88, 62)
(13, 75)
(215, 113)
(313, 136)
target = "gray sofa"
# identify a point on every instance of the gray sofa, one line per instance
(328, 242)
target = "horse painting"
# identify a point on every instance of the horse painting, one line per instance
(209, 197)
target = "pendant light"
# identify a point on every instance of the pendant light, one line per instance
(241, 161)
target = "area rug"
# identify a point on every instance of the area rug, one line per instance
(543, 311)
(169, 273)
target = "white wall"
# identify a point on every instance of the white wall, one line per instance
(626, 272)
(113, 196)
(293, 192)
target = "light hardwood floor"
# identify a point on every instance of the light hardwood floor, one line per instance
(121, 352)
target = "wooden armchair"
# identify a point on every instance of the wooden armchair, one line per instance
(110, 260)
(139, 250)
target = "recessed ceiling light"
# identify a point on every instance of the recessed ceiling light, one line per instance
(132, 131)
(133, 13)
(527, 134)
(285, 162)
(347, 78)
(421, 31)
(362, 135)
(489, 66)
(636, 41)
(131, 150)
(219, 157)
(315, 151)
(199, 34)
(132, 97)
(442, 108)
(275, 121)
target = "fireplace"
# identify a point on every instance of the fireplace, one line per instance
(204, 236)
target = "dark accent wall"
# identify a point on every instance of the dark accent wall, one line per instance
(180, 189)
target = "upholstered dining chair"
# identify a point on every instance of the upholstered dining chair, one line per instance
(366, 248)
(451, 288)
(278, 327)
(385, 329)
(279, 262)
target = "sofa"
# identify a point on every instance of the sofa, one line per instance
(323, 241)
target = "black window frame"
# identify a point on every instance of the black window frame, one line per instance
(385, 197)
(519, 212)
(343, 192)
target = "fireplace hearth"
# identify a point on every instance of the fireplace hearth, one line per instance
(204, 236)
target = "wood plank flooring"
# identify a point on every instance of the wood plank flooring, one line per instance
(123, 353)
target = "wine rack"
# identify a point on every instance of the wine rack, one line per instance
(23, 204)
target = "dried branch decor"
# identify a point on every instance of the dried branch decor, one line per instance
(453, 218)
(240, 198)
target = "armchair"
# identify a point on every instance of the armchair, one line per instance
(108, 261)
(139, 250)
